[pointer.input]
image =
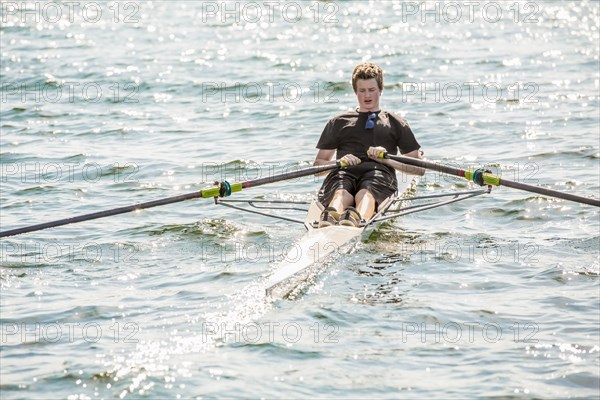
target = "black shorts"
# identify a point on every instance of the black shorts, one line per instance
(381, 182)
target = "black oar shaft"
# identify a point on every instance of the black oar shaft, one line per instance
(101, 214)
(550, 192)
(290, 175)
(210, 192)
(492, 178)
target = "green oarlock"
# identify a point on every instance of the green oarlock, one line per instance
(490, 179)
(469, 175)
(236, 187)
(216, 191)
(211, 192)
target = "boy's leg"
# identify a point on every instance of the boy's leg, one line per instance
(365, 204)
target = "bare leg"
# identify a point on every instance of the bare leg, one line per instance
(341, 200)
(365, 204)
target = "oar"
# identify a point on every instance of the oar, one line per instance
(224, 189)
(482, 177)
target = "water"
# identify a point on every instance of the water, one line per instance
(109, 105)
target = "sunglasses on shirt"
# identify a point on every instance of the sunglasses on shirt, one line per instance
(371, 121)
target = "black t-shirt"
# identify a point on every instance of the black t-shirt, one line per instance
(347, 134)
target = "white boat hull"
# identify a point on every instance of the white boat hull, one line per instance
(308, 254)
(315, 247)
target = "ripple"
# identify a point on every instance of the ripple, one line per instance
(511, 260)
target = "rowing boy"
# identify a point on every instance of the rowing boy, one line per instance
(351, 195)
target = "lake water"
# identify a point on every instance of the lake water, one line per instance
(109, 104)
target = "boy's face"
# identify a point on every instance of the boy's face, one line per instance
(367, 93)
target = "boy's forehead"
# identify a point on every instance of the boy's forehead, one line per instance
(366, 83)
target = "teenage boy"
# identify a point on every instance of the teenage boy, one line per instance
(351, 195)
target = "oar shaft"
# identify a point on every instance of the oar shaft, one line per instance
(493, 180)
(206, 193)
(291, 175)
(100, 214)
(550, 192)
